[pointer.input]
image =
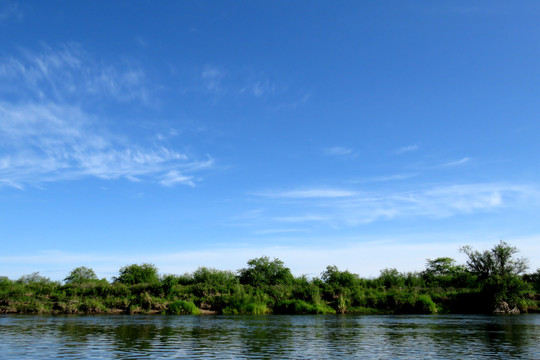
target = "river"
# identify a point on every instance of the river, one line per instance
(273, 336)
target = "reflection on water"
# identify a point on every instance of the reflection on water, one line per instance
(255, 337)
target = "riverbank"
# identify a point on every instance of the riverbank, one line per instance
(491, 282)
(302, 296)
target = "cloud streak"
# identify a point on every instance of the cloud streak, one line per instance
(352, 208)
(43, 143)
(338, 151)
(406, 149)
(69, 73)
(47, 135)
(455, 163)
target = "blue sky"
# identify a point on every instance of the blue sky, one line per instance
(362, 134)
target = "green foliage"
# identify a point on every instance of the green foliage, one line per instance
(181, 307)
(498, 271)
(534, 280)
(263, 271)
(137, 274)
(332, 275)
(390, 278)
(490, 280)
(80, 275)
(214, 277)
(498, 261)
(296, 306)
(306, 290)
(443, 272)
(440, 267)
(34, 278)
(92, 306)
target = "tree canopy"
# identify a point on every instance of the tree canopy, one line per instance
(499, 261)
(499, 273)
(80, 275)
(137, 274)
(263, 271)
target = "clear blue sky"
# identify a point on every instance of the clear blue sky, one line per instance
(365, 134)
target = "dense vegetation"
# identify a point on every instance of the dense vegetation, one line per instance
(490, 281)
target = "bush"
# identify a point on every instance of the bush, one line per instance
(333, 276)
(181, 307)
(390, 278)
(499, 273)
(263, 271)
(300, 307)
(80, 275)
(214, 277)
(137, 274)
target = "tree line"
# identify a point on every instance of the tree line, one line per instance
(491, 281)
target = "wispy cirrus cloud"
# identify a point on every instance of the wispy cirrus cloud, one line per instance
(47, 134)
(68, 73)
(220, 81)
(352, 208)
(338, 151)
(377, 179)
(259, 88)
(43, 143)
(407, 149)
(459, 162)
(212, 77)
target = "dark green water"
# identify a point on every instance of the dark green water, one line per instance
(264, 337)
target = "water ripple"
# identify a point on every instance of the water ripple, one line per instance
(263, 337)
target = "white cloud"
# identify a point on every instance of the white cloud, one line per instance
(406, 149)
(259, 88)
(338, 151)
(456, 163)
(70, 73)
(174, 177)
(350, 208)
(49, 142)
(377, 179)
(48, 135)
(212, 77)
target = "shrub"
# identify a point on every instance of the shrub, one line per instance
(390, 278)
(137, 274)
(333, 276)
(181, 307)
(263, 271)
(296, 306)
(80, 275)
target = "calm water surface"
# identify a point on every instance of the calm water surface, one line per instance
(264, 337)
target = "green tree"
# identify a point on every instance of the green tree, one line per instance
(444, 272)
(391, 277)
(80, 275)
(440, 266)
(137, 274)
(333, 276)
(499, 273)
(533, 279)
(214, 277)
(34, 278)
(499, 261)
(263, 271)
